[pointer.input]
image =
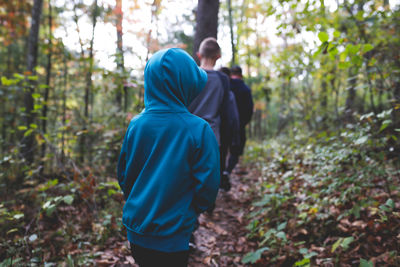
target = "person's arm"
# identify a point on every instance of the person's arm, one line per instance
(205, 170)
(228, 107)
(235, 123)
(249, 106)
(124, 180)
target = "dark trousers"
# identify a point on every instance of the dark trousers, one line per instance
(233, 158)
(236, 151)
(145, 257)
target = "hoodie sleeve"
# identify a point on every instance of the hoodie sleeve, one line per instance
(206, 170)
(121, 166)
(125, 177)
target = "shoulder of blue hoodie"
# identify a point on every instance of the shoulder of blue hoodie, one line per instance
(168, 167)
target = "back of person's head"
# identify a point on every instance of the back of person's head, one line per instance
(236, 71)
(209, 48)
(226, 70)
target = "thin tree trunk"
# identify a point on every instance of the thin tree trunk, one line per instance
(324, 102)
(64, 107)
(120, 55)
(351, 96)
(48, 77)
(89, 85)
(233, 47)
(33, 41)
(206, 23)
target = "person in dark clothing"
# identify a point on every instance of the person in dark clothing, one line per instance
(245, 105)
(213, 104)
(230, 138)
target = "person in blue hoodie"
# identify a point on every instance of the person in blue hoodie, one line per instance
(168, 168)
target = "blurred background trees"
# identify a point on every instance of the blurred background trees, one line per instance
(312, 65)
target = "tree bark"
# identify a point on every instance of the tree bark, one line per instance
(33, 41)
(233, 47)
(89, 85)
(48, 77)
(351, 96)
(64, 113)
(206, 23)
(120, 55)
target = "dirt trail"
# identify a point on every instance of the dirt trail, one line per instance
(221, 237)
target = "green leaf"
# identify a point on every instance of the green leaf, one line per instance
(390, 203)
(22, 128)
(5, 81)
(50, 209)
(303, 251)
(33, 77)
(36, 95)
(252, 257)
(336, 34)
(361, 140)
(47, 204)
(351, 49)
(323, 37)
(12, 231)
(281, 226)
(310, 255)
(367, 48)
(281, 235)
(303, 262)
(37, 106)
(18, 216)
(346, 242)
(68, 199)
(365, 263)
(19, 76)
(27, 133)
(336, 244)
(33, 126)
(344, 65)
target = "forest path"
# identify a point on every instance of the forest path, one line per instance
(221, 237)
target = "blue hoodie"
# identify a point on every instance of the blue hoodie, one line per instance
(168, 168)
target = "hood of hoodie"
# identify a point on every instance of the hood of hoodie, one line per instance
(172, 80)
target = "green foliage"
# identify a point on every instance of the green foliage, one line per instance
(252, 257)
(317, 192)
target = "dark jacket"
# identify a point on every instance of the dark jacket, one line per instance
(244, 101)
(213, 104)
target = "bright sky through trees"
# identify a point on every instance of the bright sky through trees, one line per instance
(137, 23)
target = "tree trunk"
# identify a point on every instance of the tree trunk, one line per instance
(351, 96)
(324, 103)
(89, 85)
(206, 23)
(48, 76)
(33, 41)
(64, 107)
(120, 55)
(233, 61)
